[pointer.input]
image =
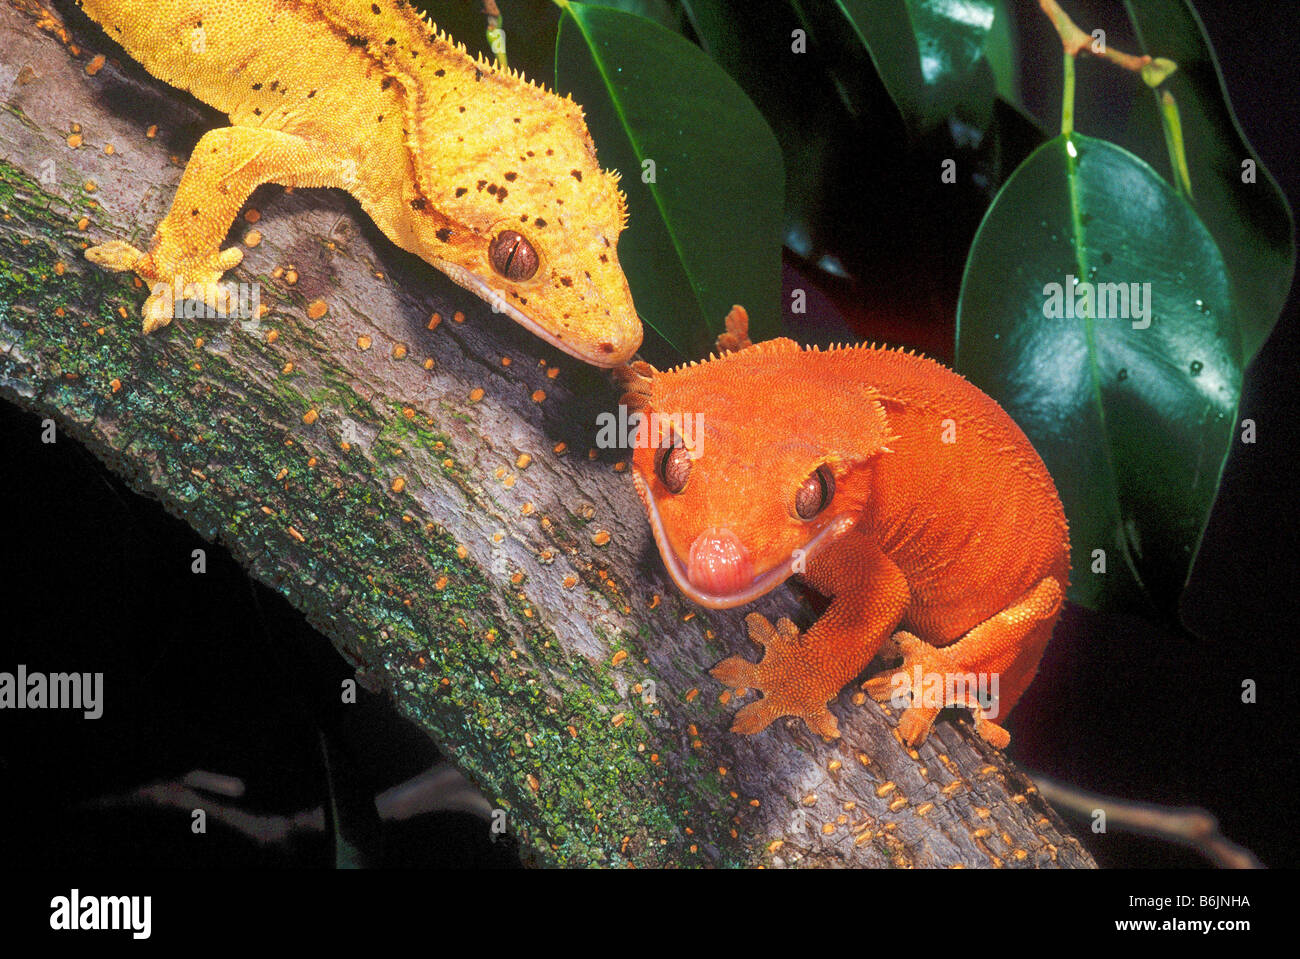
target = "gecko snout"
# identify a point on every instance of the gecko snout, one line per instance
(719, 563)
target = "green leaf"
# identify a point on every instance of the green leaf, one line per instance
(1251, 222)
(927, 52)
(705, 229)
(1133, 424)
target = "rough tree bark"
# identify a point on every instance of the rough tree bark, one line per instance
(427, 498)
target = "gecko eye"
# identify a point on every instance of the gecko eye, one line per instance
(512, 256)
(673, 465)
(815, 493)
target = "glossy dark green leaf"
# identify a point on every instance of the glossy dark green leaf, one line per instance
(1251, 222)
(702, 172)
(927, 52)
(1134, 424)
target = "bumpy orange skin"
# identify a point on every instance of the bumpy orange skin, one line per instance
(443, 151)
(944, 537)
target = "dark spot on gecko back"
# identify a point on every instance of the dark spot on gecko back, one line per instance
(444, 234)
(419, 203)
(356, 41)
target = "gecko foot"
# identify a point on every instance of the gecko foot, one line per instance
(939, 673)
(782, 677)
(199, 281)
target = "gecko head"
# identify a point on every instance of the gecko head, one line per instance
(749, 466)
(530, 222)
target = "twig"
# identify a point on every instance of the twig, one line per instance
(1188, 825)
(1076, 41)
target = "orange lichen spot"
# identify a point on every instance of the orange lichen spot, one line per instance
(552, 372)
(115, 384)
(476, 394)
(697, 744)
(505, 361)
(885, 788)
(654, 601)
(434, 321)
(527, 509)
(152, 131)
(272, 335)
(952, 787)
(282, 474)
(619, 658)
(570, 581)
(924, 808)
(498, 537)
(291, 276)
(897, 804)
(983, 812)
(198, 342)
(539, 396)
(458, 317)
(981, 833)
(75, 141)
(618, 719)
(688, 617)
(287, 368)
(59, 268)
(311, 462)
(90, 186)
(441, 583)
(398, 484)
(268, 511)
(103, 329)
(522, 461)
(108, 149)
(252, 215)
(834, 765)
(692, 693)
(309, 417)
(722, 770)
(296, 535)
(318, 308)
(509, 481)
(600, 538)
(988, 770)
(533, 784)
(96, 64)
(252, 238)
(620, 466)
(573, 732)
(725, 697)
(399, 351)
(592, 453)
(83, 223)
(428, 363)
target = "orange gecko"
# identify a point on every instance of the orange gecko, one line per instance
(894, 487)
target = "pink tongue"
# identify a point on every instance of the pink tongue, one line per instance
(719, 563)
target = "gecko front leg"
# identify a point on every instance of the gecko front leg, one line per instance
(801, 673)
(225, 168)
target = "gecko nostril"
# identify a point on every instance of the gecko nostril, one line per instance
(719, 563)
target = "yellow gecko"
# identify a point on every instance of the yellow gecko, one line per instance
(488, 177)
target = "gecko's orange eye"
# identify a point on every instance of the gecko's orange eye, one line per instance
(673, 465)
(815, 493)
(512, 256)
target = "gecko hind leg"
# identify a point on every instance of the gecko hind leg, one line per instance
(993, 662)
(185, 254)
